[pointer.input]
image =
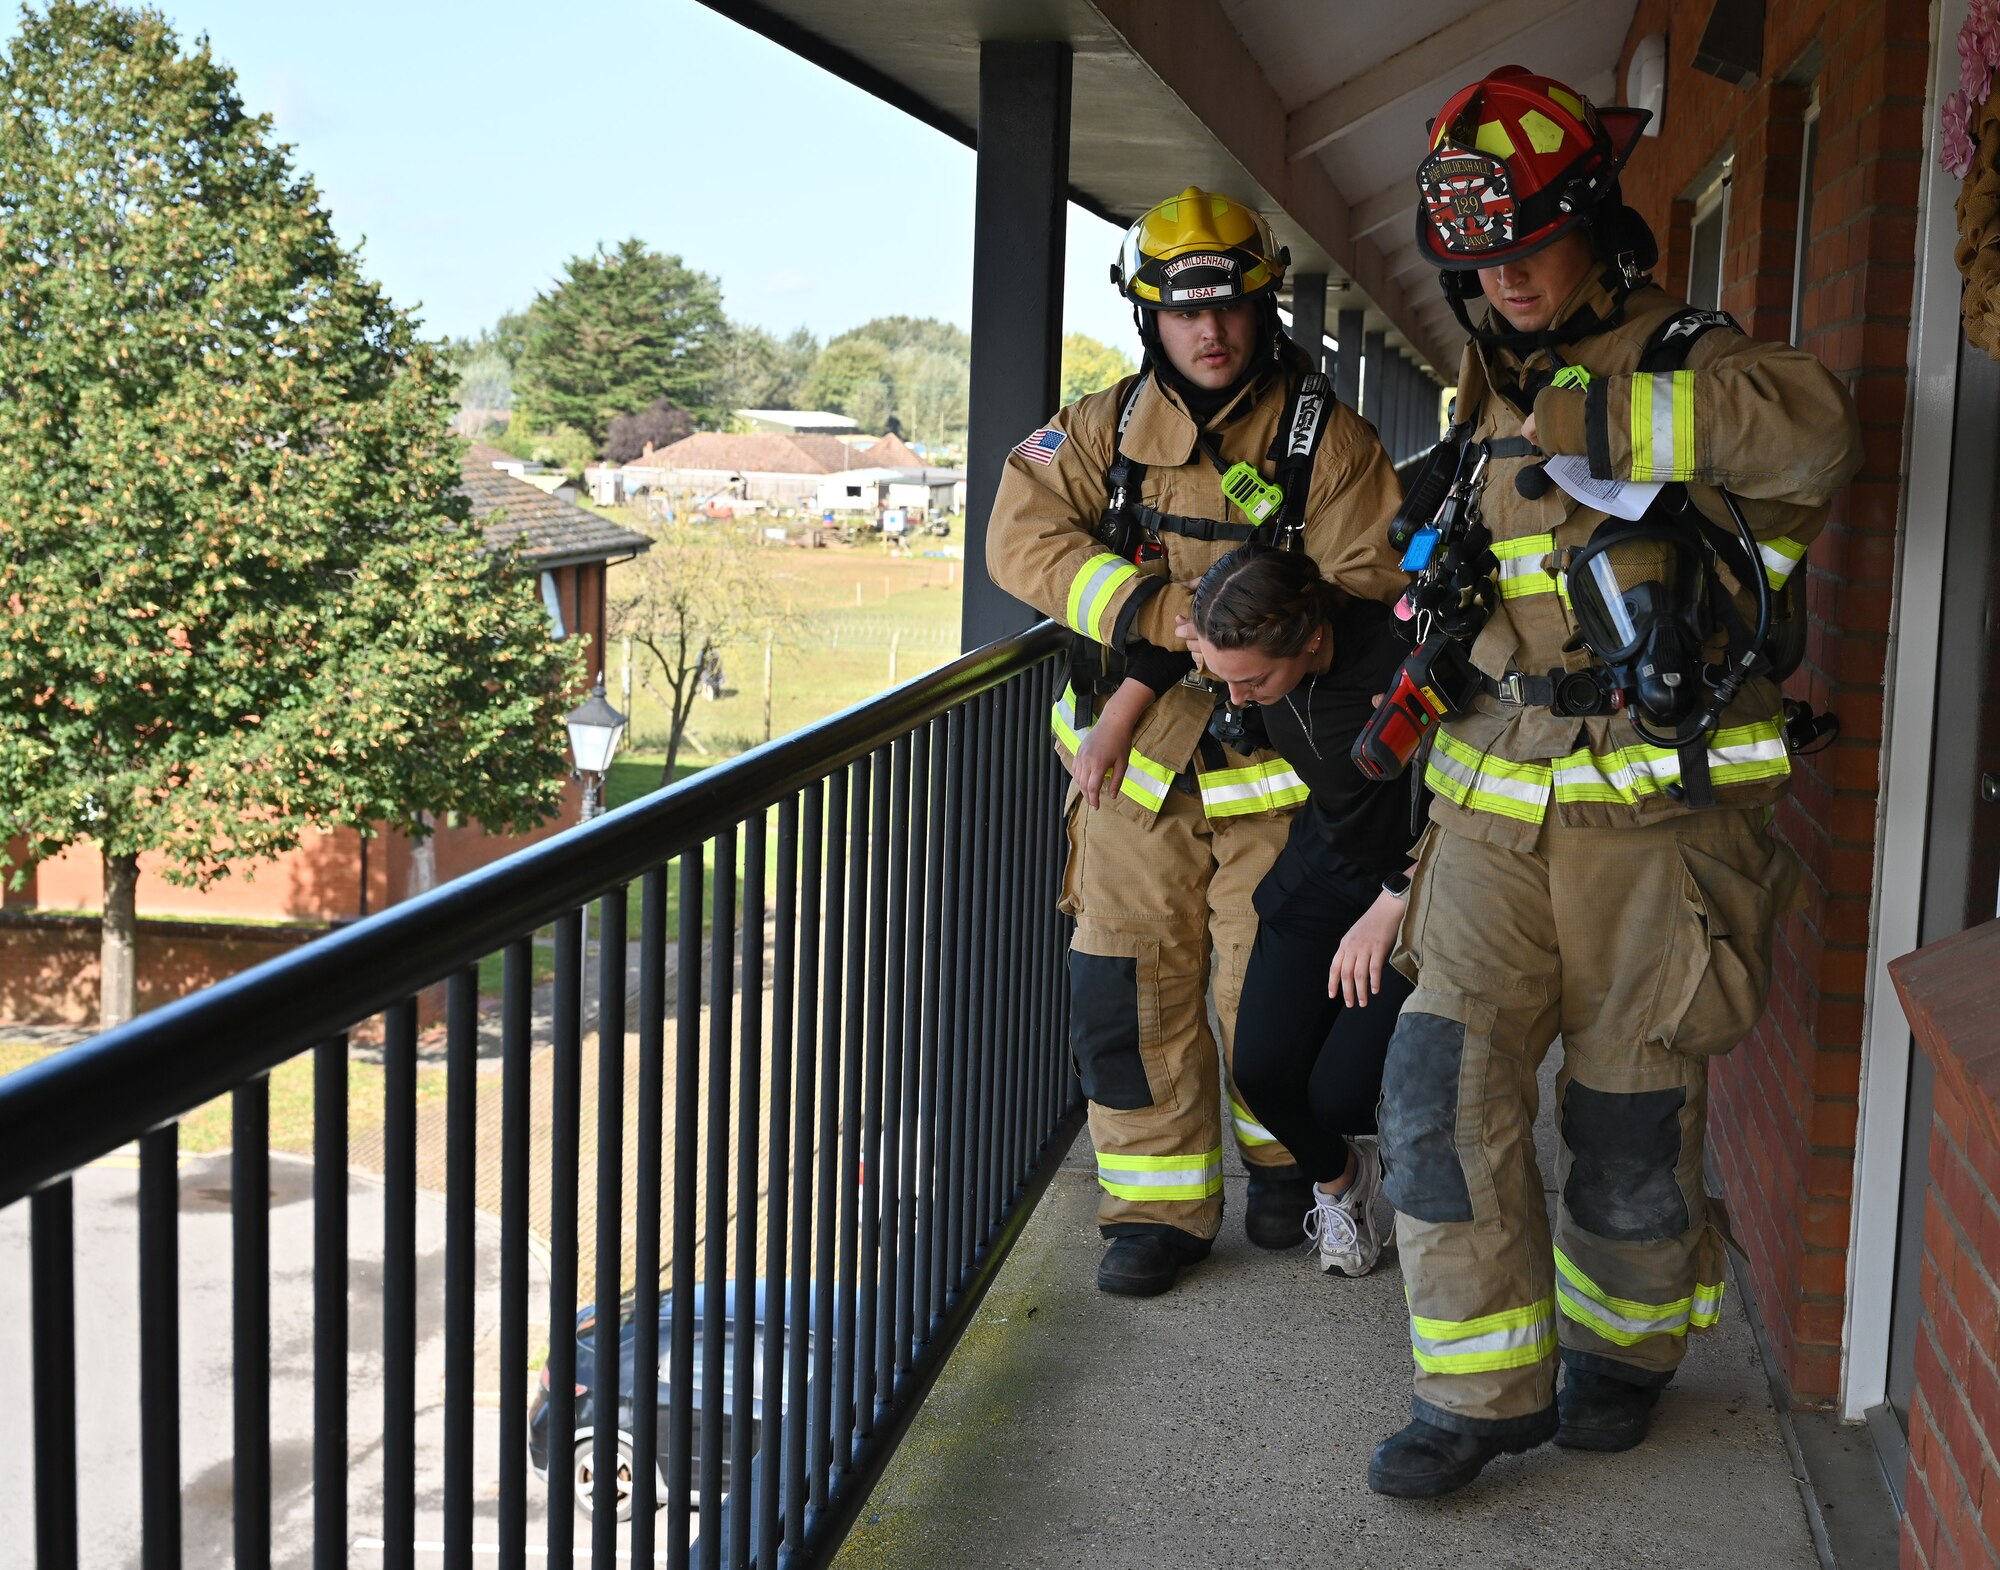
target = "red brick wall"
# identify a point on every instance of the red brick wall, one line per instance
(49, 965)
(1952, 1493)
(320, 881)
(1785, 1103)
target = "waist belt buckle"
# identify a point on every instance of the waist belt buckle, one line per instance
(1510, 689)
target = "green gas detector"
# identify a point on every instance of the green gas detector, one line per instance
(1255, 497)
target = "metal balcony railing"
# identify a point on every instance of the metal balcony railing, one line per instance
(879, 1043)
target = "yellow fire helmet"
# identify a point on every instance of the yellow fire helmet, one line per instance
(1196, 251)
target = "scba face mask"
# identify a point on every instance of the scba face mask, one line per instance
(1640, 593)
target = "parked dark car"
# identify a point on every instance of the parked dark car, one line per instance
(582, 1460)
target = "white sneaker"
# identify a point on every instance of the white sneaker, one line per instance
(1351, 1227)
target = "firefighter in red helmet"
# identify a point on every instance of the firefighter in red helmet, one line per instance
(1599, 863)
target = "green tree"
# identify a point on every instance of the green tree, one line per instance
(757, 370)
(484, 366)
(930, 392)
(621, 330)
(244, 599)
(1088, 365)
(700, 589)
(851, 377)
(913, 332)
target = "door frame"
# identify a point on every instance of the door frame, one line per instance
(1902, 819)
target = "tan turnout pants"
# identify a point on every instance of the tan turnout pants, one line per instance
(1153, 902)
(1648, 950)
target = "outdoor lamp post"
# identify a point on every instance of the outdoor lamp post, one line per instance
(594, 729)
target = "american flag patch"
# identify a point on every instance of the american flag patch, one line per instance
(1041, 446)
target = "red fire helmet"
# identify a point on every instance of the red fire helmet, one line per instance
(1515, 160)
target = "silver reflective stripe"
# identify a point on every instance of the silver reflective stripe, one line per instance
(1086, 601)
(1470, 777)
(1518, 1338)
(1589, 1309)
(1149, 1177)
(1663, 425)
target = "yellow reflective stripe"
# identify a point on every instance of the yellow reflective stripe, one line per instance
(1091, 589)
(1521, 571)
(1736, 756)
(1512, 1338)
(1781, 557)
(1065, 721)
(1161, 1178)
(1477, 782)
(1248, 1129)
(1624, 1321)
(1257, 787)
(1146, 782)
(1663, 426)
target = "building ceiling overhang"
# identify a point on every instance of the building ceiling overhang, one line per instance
(1314, 111)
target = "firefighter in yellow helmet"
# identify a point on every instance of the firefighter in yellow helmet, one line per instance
(1105, 519)
(1599, 862)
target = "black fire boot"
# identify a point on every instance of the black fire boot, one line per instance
(1601, 1411)
(1144, 1263)
(1280, 1200)
(1423, 1461)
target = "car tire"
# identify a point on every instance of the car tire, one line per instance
(583, 1477)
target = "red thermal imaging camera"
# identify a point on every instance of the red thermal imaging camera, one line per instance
(1436, 680)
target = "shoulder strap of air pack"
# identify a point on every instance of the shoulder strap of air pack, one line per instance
(1667, 349)
(1123, 479)
(1293, 452)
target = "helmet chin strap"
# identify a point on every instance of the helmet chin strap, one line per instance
(1618, 279)
(1268, 351)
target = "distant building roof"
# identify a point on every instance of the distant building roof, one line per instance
(891, 452)
(485, 456)
(797, 419)
(548, 531)
(760, 452)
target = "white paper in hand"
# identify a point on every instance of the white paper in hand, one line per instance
(1620, 498)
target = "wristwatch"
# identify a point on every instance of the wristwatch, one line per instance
(1396, 883)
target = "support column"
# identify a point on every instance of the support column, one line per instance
(1347, 364)
(1309, 315)
(1396, 413)
(1020, 201)
(1374, 390)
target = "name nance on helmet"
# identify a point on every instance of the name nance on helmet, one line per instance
(1196, 251)
(1515, 160)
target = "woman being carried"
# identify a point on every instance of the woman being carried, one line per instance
(1309, 1054)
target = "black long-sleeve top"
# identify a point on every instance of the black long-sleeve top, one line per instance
(1365, 821)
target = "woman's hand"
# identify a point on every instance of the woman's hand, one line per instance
(1356, 975)
(1099, 764)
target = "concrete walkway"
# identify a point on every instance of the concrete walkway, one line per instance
(1230, 1422)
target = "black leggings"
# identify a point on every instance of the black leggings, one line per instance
(1307, 1065)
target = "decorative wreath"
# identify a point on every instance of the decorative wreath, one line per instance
(1969, 147)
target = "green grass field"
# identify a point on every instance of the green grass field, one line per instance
(848, 609)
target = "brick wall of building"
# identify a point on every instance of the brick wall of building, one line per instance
(1952, 1493)
(1785, 1103)
(49, 964)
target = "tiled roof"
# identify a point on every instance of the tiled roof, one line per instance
(547, 530)
(891, 452)
(761, 452)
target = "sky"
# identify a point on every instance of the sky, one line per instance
(471, 150)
